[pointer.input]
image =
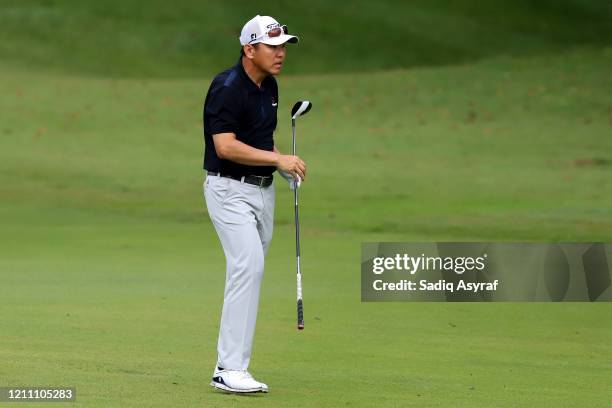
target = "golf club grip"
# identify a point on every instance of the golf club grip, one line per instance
(300, 313)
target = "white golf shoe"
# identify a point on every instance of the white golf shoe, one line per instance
(236, 381)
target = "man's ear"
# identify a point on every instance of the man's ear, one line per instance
(249, 51)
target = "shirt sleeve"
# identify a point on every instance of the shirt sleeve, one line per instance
(223, 110)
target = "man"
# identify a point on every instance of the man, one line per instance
(240, 157)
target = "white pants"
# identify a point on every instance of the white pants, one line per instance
(243, 216)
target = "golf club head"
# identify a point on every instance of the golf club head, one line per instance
(300, 108)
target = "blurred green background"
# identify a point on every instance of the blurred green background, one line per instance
(432, 120)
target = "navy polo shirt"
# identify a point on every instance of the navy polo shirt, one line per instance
(235, 104)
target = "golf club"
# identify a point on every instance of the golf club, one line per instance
(300, 108)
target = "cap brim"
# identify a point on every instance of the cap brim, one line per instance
(281, 39)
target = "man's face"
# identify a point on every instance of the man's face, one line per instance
(269, 58)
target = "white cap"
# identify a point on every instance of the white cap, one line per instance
(256, 31)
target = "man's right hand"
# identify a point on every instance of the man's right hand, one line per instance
(292, 165)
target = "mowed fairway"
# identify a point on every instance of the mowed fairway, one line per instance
(112, 276)
(432, 121)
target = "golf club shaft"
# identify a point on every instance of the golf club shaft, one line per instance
(300, 311)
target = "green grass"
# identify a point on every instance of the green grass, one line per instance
(190, 38)
(503, 149)
(111, 272)
(113, 276)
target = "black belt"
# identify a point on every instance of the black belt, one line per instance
(261, 181)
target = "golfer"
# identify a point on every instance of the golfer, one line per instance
(240, 157)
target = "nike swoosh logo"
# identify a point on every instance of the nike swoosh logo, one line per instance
(274, 104)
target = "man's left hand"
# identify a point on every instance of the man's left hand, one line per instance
(293, 183)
